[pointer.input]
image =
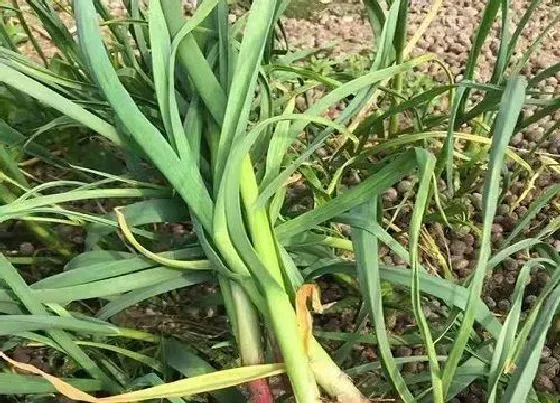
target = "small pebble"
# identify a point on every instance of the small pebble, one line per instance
(546, 352)
(464, 231)
(497, 228)
(476, 198)
(550, 367)
(403, 351)
(321, 152)
(26, 249)
(477, 389)
(410, 367)
(391, 195)
(469, 239)
(461, 264)
(489, 302)
(530, 300)
(383, 250)
(391, 321)
(516, 139)
(544, 384)
(535, 134)
(404, 186)
(345, 229)
(542, 278)
(457, 247)
(503, 209)
(511, 264)
(511, 279)
(21, 354)
(504, 305)
(301, 104)
(556, 351)
(351, 179)
(498, 278)
(465, 272)
(399, 262)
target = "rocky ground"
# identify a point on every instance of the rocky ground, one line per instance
(449, 36)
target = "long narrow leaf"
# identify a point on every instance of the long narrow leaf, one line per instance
(367, 263)
(527, 365)
(503, 351)
(376, 184)
(426, 166)
(451, 294)
(510, 107)
(10, 275)
(50, 98)
(184, 174)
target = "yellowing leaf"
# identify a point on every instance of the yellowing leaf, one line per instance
(199, 384)
(304, 318)
(176, 264)
(551, 163)
(63, 387)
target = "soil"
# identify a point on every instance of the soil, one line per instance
(450, 36)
